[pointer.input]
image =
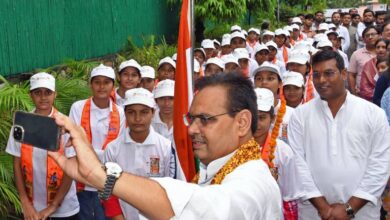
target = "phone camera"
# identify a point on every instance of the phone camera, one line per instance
(18, 133)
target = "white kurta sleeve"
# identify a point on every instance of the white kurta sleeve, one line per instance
(378, 166)
(289, 180)
(296, 141)
(249, 192)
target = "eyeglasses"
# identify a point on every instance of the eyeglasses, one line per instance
(327, 74)
(204, 119)
(370, 35)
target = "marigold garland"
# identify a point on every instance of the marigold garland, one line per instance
(275, 129)
(309, 88)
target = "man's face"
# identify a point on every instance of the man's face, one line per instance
(386, 32)
(356, 20)
(297, 67)
(370, 37)
(308, 22)
(129, 78)
(261, 56)
(199, 56)
(237, 42)
(328, 80)
(212, 69)
(216, 137)
(139, 117)
(336, 19)
(346, 20)
(147, 83)
(353, 11)
(101, 87)
(166, 71)
(368, 18)
(380, 19)
(165, 104)
(264, 120)
(279, 40)
(43, 98)
(319, 17)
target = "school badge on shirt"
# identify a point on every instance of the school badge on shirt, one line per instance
(154, 164)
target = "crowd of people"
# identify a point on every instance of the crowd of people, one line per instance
(287, 124)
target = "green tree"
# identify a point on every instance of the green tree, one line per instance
(343, 3)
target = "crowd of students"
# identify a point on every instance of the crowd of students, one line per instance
(132, 124)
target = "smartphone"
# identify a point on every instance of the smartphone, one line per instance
(36, 130)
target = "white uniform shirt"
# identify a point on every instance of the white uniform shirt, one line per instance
(70, 204)
(251, 50)
(148, 159)
(343, 31)
(252, 67)
(343, 156)
(99, 119)
(359, 38)
(279, 54)
(345, 58)
(288, 176)
(249, 192)
(119, 100)
(286, 118)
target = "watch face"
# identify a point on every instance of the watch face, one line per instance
(113, 169)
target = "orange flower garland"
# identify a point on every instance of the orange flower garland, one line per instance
(275, 129)
(309, 89)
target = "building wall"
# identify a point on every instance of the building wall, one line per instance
(40, 33)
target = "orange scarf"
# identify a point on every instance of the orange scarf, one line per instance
(246, 152)
(309, 88)
(265, 150)
(54, 173)
(113, 128)
(285, 54)
(113, 95)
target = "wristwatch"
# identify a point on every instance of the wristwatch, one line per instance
(113, 171)
(349, 210)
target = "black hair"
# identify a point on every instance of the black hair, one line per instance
(368, 11)
(300, 14)
(354, 16)
(381, 60)
(336, 12)
(318, 12)
(328, 55)
(265, 25)
(344, 14)
(382, 40)
(369, 28)
(138, 71)
(309, 16)
(384, 25)
(240, 93)
(378, 13)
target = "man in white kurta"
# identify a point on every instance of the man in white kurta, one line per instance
(346, 155)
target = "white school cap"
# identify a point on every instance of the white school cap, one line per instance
(280, 32)
(298, 56)
(323, 27)
(164, 88)
(293, 78)
(260, 47)
(331, 25)
(265, 99)
(167, 60)
(42, 80)
(267, 32)
(235, 28)
(294, 26)
(216, 61)
(241, 53)
(229, 58)
(324, 43)
(139, 96)
(296, 20)
(215, 41)
(103, 70)
(148, 72)
(174, 57)
(129, 63)
(237, 34)
(207, 44)
(271, 44)
(226, 39)
(267, 66)
(256, 30)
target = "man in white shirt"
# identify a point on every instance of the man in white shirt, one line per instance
(139, 150)
(343, 31)
(221, 120)
(40, 198)
(368, 20)
(103, 121)
(344, 143)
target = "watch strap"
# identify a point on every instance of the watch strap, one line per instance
(108, 187)
(349, 210)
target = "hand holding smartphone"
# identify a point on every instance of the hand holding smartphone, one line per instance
(36, 130)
